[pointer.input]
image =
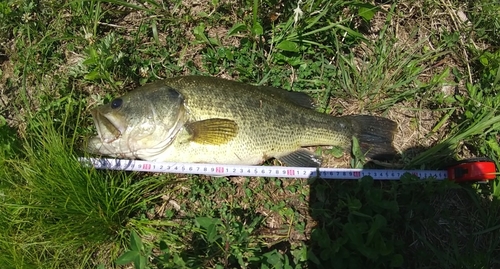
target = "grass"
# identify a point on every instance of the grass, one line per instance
(433, 66)
(56, 209)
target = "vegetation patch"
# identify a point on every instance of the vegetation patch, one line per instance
(433, 66)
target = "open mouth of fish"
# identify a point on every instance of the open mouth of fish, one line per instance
(108, 129)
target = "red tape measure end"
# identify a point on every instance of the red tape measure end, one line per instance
(472, 171)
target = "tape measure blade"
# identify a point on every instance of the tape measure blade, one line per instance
(257, 171)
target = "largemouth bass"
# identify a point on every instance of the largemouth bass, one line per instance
(198, 119)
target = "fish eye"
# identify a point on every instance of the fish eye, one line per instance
(116, 103)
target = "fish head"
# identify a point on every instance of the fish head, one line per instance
(140, 124)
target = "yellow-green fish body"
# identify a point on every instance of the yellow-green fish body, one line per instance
(210, 120)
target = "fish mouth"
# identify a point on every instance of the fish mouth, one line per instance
(108, 128)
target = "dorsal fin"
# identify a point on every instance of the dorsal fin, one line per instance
(298, 98)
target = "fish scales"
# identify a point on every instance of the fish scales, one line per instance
(268, 125)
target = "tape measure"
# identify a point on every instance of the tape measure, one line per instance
(479, 169)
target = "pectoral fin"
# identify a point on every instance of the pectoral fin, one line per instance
(212, 131)
(301, 158)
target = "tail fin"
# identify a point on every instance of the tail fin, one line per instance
(375, 135)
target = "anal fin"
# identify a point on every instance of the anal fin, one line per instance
(301, 158)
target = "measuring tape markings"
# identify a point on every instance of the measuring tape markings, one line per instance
(258, 171)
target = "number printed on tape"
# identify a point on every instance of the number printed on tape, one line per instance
(262, 171)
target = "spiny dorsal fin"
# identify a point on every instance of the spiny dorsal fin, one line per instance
(212, 131)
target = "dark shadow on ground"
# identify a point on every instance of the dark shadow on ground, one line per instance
(410, 223)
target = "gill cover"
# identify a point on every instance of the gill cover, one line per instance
(145, 119)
